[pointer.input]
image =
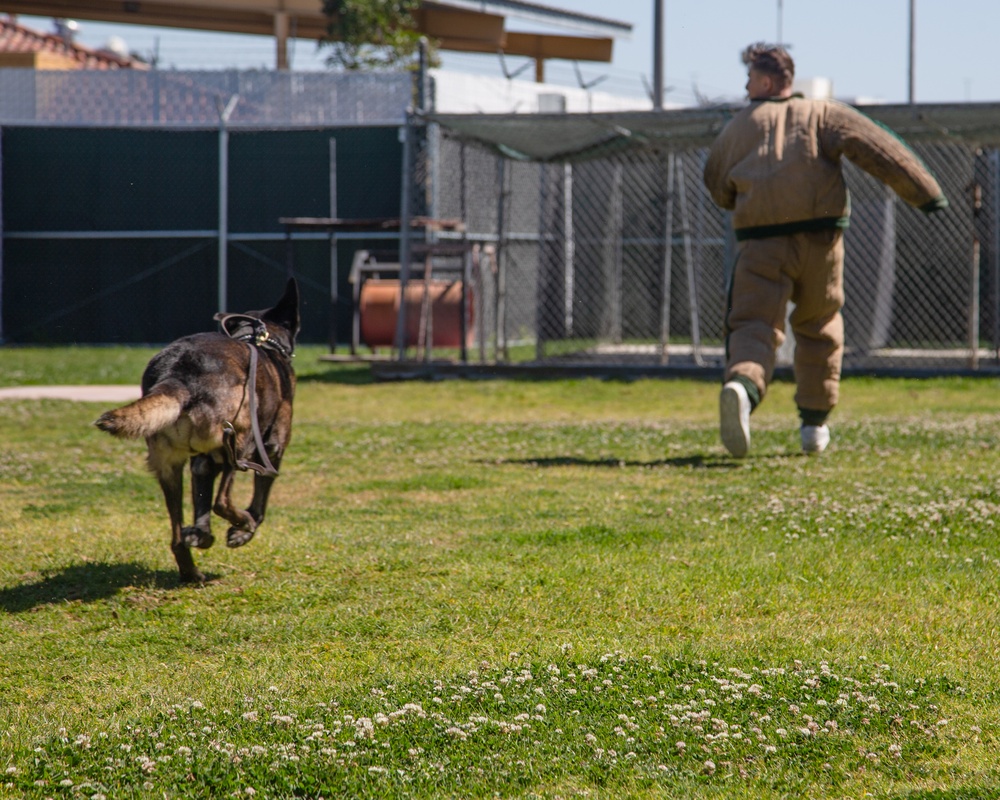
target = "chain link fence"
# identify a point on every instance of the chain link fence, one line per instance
(192, 99)
(604, 248)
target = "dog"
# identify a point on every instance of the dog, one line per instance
(223, 401)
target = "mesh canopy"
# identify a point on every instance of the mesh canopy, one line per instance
(577, 137)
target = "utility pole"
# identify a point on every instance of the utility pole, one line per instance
(658, 55)
(781, 14)
(913, 50)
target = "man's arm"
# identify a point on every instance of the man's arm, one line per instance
(882, 154)
(716, 176)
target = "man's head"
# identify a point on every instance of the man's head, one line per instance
(770, 71)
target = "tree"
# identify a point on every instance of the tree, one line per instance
(372, 34)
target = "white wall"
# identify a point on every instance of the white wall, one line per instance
(463, 93)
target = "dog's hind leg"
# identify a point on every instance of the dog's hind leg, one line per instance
(171, 480)
(243, 524)
(258, 508)
(203, 473)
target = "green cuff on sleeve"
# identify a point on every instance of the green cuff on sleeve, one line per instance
(935, 205)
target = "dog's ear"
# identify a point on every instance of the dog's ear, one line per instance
(286, 312)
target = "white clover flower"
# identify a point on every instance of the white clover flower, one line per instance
(709, 767)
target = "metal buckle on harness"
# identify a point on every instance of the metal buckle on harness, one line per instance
(229, 442)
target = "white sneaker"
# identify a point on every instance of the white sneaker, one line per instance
(815, 438)
(734, 418)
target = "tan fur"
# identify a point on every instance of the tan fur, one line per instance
(143, 418)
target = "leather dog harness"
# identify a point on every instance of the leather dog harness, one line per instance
(252, 332)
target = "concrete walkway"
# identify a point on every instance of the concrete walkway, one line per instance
(87, 394)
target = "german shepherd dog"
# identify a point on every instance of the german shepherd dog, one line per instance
(224, 401)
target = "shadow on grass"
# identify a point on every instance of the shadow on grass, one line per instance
(343, 375)
(697, 461)
(85, 583)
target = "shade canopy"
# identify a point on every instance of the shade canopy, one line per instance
(455, 24)
(579, 137)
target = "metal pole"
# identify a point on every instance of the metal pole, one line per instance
(225, 112)
(334, 266)
(667, 266)
(658, 55)
(544, 218)
(569, 249)
(913, 51)
(977, 207)
(405, 215)
(995, 249)
(692, 276)
(500, 295)
(1, 236)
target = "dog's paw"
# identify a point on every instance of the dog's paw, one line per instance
(237, 537)
(196, 537)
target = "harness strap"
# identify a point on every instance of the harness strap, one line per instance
(250, 389)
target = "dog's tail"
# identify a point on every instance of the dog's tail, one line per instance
(161, 407)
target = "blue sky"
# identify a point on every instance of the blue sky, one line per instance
(861, 45)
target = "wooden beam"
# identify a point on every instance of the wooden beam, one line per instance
(572, 48)
(447, 25)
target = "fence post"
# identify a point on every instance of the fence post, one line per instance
(667, 265)
(500, 351)
(995, 246)
(977, 207)
(1, 237)
(334, 265)
(405, 216)
(569, 249)
(692, 277)
(225, 112)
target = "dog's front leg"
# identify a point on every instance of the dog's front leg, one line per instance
(172, 483)
(203, 473)
(261, 491)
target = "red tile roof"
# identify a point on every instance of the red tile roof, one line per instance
(15, 38)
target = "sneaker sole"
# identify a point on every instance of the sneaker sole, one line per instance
(735, 436)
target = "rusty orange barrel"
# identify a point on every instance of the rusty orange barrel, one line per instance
(379, 307)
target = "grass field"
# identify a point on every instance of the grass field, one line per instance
(510, 589)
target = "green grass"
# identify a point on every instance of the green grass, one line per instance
(510, 589)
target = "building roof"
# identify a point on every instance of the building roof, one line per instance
(26, 47)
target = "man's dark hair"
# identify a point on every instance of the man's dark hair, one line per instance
(771, 59)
